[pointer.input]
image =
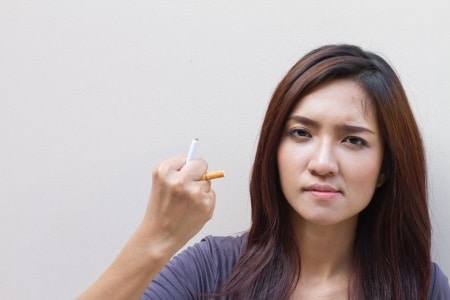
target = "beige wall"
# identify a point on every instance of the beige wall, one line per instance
(96, 93)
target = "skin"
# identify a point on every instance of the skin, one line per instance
(329, 162)
(178, 207)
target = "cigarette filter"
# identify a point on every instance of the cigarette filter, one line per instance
(213, 175)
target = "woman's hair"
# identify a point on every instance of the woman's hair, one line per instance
(392, 245)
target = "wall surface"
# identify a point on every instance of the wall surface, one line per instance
(94, 94)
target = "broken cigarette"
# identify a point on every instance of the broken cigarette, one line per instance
(192, 150)
(213, 175)
(209, 175)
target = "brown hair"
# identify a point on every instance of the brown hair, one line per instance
(392, 247)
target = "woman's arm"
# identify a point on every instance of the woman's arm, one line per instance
(178, 207)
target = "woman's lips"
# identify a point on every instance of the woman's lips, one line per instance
(322, 191)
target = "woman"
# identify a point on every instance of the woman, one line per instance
(338, 194)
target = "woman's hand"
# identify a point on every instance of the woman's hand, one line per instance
(179, 205)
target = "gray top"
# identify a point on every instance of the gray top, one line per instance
(200, 268)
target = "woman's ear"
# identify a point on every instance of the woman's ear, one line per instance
(381, 178)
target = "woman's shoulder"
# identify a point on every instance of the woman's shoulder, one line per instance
(225, 250)
(198, 269)
(225, 243)
(439, 287)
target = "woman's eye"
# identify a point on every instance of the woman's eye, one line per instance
(299, 132)
(355, 141)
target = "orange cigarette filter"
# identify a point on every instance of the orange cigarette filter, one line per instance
(213, 175)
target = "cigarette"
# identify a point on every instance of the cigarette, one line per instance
(209, 175)
(213, 175)
(192, 150)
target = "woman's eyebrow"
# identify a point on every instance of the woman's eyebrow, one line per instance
(354, 129)
(304, 120)
(341, 127)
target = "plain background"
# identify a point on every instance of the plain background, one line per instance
(94, 94)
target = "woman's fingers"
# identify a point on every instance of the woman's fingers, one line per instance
(180, 204)
(193, 169)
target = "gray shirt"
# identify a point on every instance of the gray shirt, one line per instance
(200, 268)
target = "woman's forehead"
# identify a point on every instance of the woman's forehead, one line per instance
(341, 99)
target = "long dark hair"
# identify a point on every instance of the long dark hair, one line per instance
(392, 246)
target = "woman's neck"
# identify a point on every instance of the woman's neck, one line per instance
(325, 251)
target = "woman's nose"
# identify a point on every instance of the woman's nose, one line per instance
(323, 160)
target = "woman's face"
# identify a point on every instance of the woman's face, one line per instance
(330, 156)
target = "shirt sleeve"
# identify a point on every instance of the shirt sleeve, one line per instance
(195, 272)
(440, 289)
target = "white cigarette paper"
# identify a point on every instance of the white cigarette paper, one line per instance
(192, 150)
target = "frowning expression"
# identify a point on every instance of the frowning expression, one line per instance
(331, 153)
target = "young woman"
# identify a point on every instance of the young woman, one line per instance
(338, 194)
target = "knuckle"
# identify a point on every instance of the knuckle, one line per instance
(156, 173)
(178, 185)
(198, 191)
(160, 171)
